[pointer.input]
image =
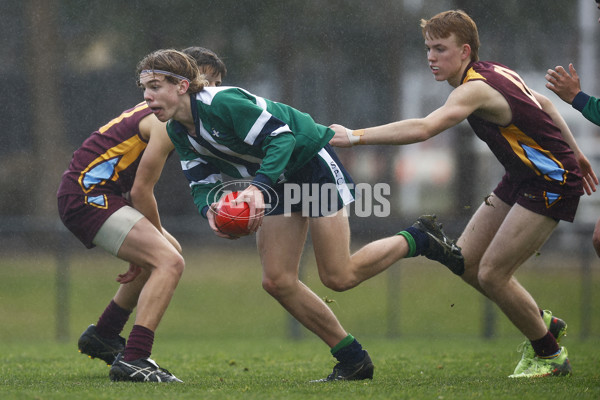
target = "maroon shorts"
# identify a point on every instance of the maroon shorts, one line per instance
(84, 215)
(540, 201)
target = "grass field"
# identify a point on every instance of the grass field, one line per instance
(226, 338)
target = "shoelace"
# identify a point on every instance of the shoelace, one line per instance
(166, 371)
(521, 347)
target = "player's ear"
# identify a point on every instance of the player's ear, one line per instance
(466, 51)
(183, 86)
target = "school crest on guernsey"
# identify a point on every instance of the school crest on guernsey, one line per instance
(215, 133)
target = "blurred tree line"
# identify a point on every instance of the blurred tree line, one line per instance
(68, 67)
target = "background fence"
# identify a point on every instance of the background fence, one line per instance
(48, 240)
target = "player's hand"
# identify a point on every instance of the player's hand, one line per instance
(130, 275)
(341, 138)
(255, 199)
(590, 181)
(564, 85)
(212, 212)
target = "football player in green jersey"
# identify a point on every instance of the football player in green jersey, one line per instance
(228, 130)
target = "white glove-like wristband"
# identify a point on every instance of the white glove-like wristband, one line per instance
(354, 136)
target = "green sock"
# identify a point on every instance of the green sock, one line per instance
(343, 343)
(412, 246)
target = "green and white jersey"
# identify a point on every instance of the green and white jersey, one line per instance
(243, 136)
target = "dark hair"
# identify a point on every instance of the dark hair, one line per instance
(206, 58)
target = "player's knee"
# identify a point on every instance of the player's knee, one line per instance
(178, 264)
(488, 279)
(338, 283)
(278, 287)
(174, 264)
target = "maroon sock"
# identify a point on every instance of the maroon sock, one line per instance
(111, 322)
(139, 344)
(546, 346)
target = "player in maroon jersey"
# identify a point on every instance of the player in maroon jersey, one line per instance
(546, 173)
(106, 198)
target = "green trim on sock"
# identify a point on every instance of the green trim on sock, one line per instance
(412, 246)
(344, 342)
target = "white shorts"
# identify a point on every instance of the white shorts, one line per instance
(116, 228)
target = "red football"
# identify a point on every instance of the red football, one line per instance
(233, 220)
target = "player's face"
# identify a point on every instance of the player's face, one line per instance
(214, 79)
(161, 95)
(445, 59)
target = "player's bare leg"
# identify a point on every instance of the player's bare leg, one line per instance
(147, 248)
(518, 238)
(490, 265)
(521, 234)
(280, 243)
(478, 234)
(491, 274)
(339, 270)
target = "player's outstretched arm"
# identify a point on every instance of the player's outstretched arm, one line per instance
(463, 101)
